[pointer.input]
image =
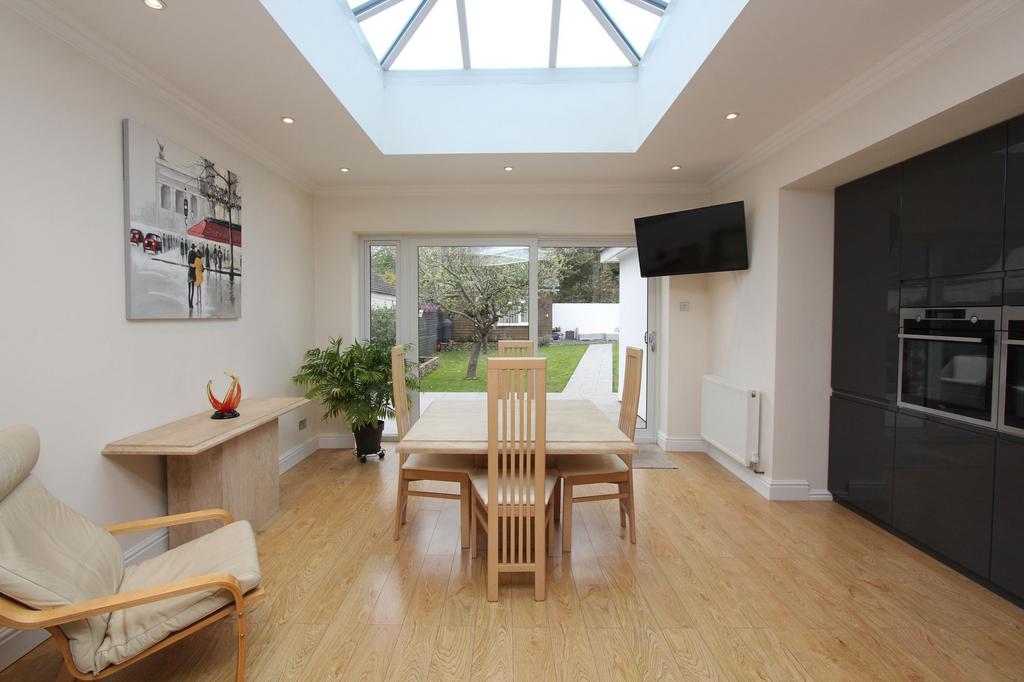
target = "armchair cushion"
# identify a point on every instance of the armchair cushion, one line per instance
(50, 555)
(230, 549)
(19, 450)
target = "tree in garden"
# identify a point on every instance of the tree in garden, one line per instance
(582, 277)
(478, 285)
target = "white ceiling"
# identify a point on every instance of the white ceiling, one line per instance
(779, 59)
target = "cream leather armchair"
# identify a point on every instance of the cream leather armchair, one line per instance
(61, 572)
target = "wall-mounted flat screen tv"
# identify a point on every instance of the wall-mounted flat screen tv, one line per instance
(709, 239)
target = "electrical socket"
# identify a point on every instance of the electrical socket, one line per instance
(684, 306)
(302, 424)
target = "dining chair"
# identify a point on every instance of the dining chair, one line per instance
(513, 498)
(526, 348)
(61, 572)
(425, 467)
(577, 470)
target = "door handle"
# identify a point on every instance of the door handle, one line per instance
(953, 339)
(652, 340)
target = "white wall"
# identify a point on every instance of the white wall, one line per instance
(684, 347)
(633, 320)
(803, 347)
(71, 365)
(588, 318)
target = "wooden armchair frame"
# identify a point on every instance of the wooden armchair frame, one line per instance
(16, 615)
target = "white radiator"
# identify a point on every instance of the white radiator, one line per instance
(730, 418)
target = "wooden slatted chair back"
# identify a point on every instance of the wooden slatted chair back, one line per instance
(522, 349)
(516, 462)
(631, 382)
(401, 397)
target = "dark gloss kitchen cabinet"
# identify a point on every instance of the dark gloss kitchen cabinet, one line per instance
(942, 489)
(952, 218)
(1015, 195)
(861, 456)
(1008, 518)
(865, 317)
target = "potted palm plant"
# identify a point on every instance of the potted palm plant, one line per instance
(354, 383)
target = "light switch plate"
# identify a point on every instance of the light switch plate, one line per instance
(684, 306)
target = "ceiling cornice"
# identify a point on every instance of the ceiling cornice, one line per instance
(46, 16)
(546, 189)
(930, 42)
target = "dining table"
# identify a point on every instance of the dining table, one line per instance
(459, 427)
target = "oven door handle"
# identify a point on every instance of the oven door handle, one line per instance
(955, 339)
(1013, 342)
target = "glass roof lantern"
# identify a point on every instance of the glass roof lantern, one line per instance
(508, 34)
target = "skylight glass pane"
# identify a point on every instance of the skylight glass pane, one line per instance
(436, 43)
(381, 29)
(636, 24)
(509, 34)
(582, 42)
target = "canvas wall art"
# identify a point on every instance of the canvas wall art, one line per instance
(183, 231)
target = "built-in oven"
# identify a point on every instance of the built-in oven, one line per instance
(949, 362)
(1011, 393)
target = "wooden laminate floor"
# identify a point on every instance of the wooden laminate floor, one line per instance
(721, 585)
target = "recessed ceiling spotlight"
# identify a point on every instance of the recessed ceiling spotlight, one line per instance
(676, 167)
(154, 4)
(732, 116)
(288, 120)
(508, 169)
(344, 170)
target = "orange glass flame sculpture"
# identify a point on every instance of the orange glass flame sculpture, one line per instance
(225, 408)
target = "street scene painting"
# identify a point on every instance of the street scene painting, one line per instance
(183, 231)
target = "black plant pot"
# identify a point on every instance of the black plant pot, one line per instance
(368, 440)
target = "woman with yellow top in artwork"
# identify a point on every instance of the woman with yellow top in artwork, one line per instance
(198, 263)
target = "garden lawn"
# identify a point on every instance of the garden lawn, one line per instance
(450, 374)
(615, 367)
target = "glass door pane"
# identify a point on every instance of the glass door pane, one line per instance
(383, 286)
(382, 301)
(593, 304)
(469, 297)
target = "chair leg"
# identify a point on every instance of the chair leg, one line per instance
(399, 507)
(567, 517)
(405, 497)
(550, 550)
(466, 508)
(240, 669)
(492, 562)
(622, 509)
(473, 542)
(632, 508)
(557, 499)
(540, 564)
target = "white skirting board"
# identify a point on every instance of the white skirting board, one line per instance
(337, 441)
(771, 489)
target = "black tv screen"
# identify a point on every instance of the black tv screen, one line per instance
(709, 239)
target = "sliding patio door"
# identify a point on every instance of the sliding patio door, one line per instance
(584, 302)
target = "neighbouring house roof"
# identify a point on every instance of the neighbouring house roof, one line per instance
(379, 285)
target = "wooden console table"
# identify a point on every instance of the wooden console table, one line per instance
(231, 464)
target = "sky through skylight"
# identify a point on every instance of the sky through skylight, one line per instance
(507, 34)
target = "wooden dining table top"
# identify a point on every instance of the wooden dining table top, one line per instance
(459, 427)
